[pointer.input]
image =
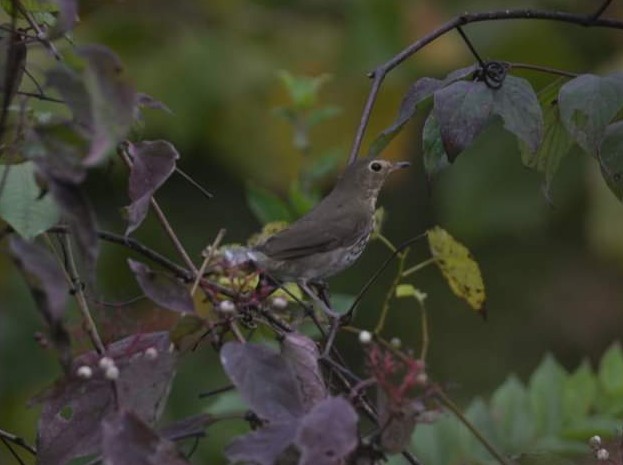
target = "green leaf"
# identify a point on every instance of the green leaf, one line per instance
(408, 290)
(433, 442)
(20, 205)
(303, 90)
(318, 115)
(579, 392)
(545, 388)
(556, 142)
(519, 108)
(300, 201)
(587, 105)
(510, 408)
(611, 158)
(266, 206)
(479, 414)
(463, 110)
(611, 371)
(434, 156)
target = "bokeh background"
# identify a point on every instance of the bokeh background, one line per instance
(553, 268)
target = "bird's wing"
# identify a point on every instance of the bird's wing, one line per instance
(304, 238)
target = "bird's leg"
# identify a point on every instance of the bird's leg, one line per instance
(322, 288)
(317, 300)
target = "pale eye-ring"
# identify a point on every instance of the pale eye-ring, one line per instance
(375, 166)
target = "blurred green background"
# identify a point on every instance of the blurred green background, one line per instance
(553, 270)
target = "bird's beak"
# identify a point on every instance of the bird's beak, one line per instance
(400, 165)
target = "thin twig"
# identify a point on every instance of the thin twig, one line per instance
(470, 46)
(418, 267)
(83, 305)
(542, 69)
(208, 258)
(40, 33)
(41, 96)
(18, 441)
(402, 257)
(214, 392)
(601, 9)
(450, 405)
(13, 453)
(193, 183)
(378, 75)
(125, 156)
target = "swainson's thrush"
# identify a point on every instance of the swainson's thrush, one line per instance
(334, 233)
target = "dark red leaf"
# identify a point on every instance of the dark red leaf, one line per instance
(127, 440)
(112, 100)
(264, 446)
(462, 110)
(78, 212)
(187, 427)
(301, 356)
(418, 92)
(328, 433)
(164, 290)
(49, 289)
(519, 108)
(264, 380)
(153, 163)
(73, 409)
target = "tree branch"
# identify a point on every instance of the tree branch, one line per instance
(378, 75)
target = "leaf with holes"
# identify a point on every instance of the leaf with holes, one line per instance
(417, 93)
(434, 156)
(264, 380)
(127, 440)
(164, 290)
(458, 267)
(462, 110)
(22, 204)
(153, 163)
(611, 158)
(328, 433)
(556, 142)
(588, 104)
(71, 418)
(516, 103)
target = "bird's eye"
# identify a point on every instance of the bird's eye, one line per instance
(375, 166)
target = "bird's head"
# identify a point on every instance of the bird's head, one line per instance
(367, 175)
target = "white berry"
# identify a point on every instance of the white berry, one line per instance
(396, 342)
(227, 306)
(279, 303)
(84, 372)
(602, 454)
(151, 353)
(365, 337)
(595, 441)
(106, 362)
(112, 373)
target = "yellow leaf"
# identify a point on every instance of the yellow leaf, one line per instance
(268, 230)
(458, 267)
(379, 219)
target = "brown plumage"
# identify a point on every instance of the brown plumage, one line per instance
(334, 233)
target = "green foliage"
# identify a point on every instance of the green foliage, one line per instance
(555, 413)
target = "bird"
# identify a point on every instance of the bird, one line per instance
(331, 236)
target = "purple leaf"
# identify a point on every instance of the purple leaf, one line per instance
(328, 433)
(127, 440)
(153, 163)
(519, 108)
(397, 423)
(164, 290)
(263, 446)
(187, 427)
(434, 156)
(611, 159)
(48, 287)
(70, 84)
(77, 211)
(418, 92)
(587, 105)
(73, 409)
(462, 109)
(147, 101)
(301, 356)
(264, 380)
(112, 100)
